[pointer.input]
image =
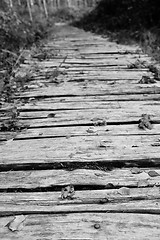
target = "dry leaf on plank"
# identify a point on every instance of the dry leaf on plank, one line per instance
(15, 223)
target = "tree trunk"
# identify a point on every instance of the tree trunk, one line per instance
(29, 10)
(11, 3)
(45, 8)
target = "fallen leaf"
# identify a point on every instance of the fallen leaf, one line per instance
(71, 155)
(91, 130)
(153, 174)
(67, 192)
(9, 141)
(68, 136)
(124, 191)
(102, 144)
(51, 115)
(104, 200)
(102, 122)
(145, 122)
(143, 183)
(155, 144)
(109, 186)
(136, 170)
(15, 223)
(32, 99)
(147, 80)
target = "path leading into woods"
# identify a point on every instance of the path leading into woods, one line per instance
(83, 134)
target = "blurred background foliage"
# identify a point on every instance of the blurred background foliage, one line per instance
(127, 21)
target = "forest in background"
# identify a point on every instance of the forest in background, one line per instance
(127, 21)
(23, 23)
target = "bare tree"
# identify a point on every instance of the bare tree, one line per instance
(29, 10)
(45, 8)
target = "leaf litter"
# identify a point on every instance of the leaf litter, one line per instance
(15, 224)
(68, 192)
(147, 80)
(91, 130)
(124, 191)
(153, 173)
(136, 170)
(137, 64)
(145, 122)
(12, 123)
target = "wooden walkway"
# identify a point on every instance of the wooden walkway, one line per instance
(83, 169)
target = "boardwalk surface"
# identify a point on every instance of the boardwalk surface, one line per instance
(83, 107)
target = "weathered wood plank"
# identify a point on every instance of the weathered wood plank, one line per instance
(90, 116)
(91, 76)
(142, 149)
(107, 105)
(93, 88)
(99, 98)
(80, 178)
(83, 226)
(80, 197)
(101, 56)
(143, 206)
(116, 130)
(80, 58)
(41, 121)
(83, 201)
(109, 61)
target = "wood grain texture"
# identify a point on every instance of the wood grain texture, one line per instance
(53, 132)
(82, 226)
(92, 88)
(81, 177)
(81, 149)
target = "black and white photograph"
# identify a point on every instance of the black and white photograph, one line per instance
(79, 120)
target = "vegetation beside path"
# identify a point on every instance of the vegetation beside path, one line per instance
(127, 21)
(18, 31)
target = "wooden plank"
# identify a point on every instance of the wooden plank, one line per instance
(83, 226)
(101, 56)
(143, 206)
(126, 149)
(124, 73)
(40, 120)
(104, 69)
(89, 116)
(99, 98)
(114, 60)
(80, 178)
(100, 48)
(83, 201)
(107, 105)
(80, 77)
(81, 196)
(109, 74)
(93, 88)
(115, 130)
(87, 63)
(91, 44)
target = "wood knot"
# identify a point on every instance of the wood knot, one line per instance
(97, 226)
